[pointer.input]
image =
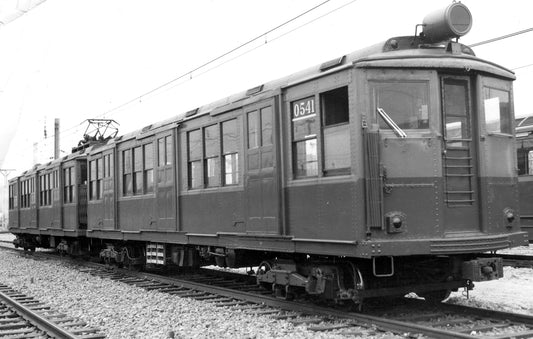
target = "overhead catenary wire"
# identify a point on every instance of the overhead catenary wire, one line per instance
(188, 73)
(501, 37)
(233, 50)
(259, 46)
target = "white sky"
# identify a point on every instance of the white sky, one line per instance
(78, 59)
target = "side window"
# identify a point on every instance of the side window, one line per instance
(92, 180)
(137, 168)
(213, 152)
(259, 127)
(56, 185)
(49, 187)
(99, 177)
(68, 185)
(32, 190)
(530, 163)
(42, 191)
(253, 129)
(23, 194)
(13, 201)
(194, 145)
(304, 137)
(230, 152)
(336, 133)
(164, 146)
(212, 160)
(497, 110)
(127, 182)
(161, 152)
(266, 126)
(137, 171)
(108, 166)
(164, 159)
(10, 204)
(148, 176)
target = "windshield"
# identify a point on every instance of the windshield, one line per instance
(406, 103)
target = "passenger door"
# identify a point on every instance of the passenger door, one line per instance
(261, 177)
(109, 191)
(460, 160)
(165, 183)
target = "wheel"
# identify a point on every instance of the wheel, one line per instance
(352, 281)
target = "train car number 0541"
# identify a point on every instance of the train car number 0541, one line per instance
(303, 108)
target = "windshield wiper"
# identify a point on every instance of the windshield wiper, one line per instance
(388, 120)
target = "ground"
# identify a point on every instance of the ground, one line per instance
(512, 293)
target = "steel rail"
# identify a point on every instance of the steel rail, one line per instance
(36, 320)
(517, 260)
(383, 323)
(397, 326)
(482, 312)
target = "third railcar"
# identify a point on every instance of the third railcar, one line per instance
(385, 171)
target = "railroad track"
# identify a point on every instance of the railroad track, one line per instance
(517, 260)
(22, 316)
(411, 317)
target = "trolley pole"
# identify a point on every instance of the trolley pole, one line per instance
(3, 222)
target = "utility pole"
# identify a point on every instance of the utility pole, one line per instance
(56, 139)
(5, 172)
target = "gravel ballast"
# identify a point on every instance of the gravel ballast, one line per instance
(124, 311)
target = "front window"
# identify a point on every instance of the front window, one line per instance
(497, 107)
(406, 102)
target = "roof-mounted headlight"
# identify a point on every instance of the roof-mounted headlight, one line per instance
(454, 21)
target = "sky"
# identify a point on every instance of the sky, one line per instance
(81, 59)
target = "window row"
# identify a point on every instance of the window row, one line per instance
(137, 167)
(13, 197)
(98, 170)
(138, 170)
(27, 193)
(47, 183)
(406, 103)
(69, 181)
(213, 155)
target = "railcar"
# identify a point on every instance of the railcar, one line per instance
(524, 153)
(49, 202)
(381, 172)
